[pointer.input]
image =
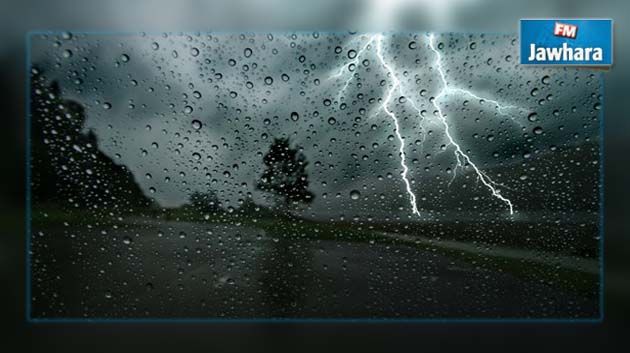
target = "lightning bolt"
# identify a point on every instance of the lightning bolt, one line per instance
(354, 62)
(388, 98)
(461, 158)
(447, 89)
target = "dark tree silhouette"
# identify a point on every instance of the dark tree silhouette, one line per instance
(285, 174)
(206, 202)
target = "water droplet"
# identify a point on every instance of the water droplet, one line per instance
(268, 80)
(532, 117)
(247, 52)
(295, 116)
(355, 194)
(546, 79)
(196, 124)
(124, 58)
(413, 45)
(332, 121)
(538, 130)
(194, 51)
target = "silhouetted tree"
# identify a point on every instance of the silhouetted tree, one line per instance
(205, 202)
(285, 174)
(248, 205)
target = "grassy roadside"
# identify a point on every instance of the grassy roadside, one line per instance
(584, 283)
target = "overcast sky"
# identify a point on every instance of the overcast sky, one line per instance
(144, 92)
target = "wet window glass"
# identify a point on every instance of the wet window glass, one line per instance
(310, 175)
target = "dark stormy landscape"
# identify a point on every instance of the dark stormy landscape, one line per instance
(310, 176)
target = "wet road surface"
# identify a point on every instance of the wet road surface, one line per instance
(151, 269)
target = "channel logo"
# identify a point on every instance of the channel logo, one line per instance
(582, 42)
(565, 30)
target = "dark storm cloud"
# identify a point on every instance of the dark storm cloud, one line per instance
(143, 92)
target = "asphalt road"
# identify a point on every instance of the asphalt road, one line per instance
(148, 269)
